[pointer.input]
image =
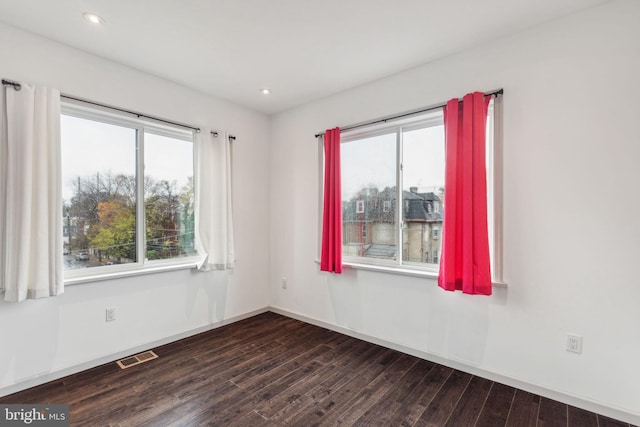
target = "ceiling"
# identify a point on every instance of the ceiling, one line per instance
(302, 50)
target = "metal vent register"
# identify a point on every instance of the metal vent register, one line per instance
(137, 359)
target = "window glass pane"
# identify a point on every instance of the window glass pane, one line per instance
(99, 193)
(368, 181)
(423, 194)
(168, 197)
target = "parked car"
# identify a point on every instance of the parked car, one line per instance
(66, 251)
(82, 256)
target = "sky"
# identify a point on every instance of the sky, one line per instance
(371, 162)
(89, 147)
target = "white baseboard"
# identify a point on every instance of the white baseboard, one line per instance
(580, 402)
(564, 397)
(61, 373)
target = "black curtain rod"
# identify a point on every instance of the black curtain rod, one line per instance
(17, 86)
(497, 92)
(135, 113)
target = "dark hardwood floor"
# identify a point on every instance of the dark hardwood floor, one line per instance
(271, 370)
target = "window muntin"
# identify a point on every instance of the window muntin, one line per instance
(117, 217)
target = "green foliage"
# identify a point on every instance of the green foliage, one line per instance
(116, 232)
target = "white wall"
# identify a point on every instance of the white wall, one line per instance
(571, 223)
(572, 143)
(43, 337)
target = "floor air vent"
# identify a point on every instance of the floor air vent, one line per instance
(137, 359)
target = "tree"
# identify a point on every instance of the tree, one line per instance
(103, 214)
(116, 231)
(161, 215)
(82, 209)
(187, 199)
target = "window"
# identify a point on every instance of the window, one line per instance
(402, 165)
(127, 192)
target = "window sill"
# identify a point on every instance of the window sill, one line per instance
(403, 271)
(140, 271)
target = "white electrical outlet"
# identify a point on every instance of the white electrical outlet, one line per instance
(284, 283)
(574, 343)
(110, 314)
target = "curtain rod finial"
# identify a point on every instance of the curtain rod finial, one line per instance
(16, 85)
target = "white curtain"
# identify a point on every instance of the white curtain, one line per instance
(213, 209)
(30, 194)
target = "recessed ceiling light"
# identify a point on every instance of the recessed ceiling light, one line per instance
(93, 18)
(265, 91)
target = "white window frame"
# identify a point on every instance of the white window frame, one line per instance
(142, 265)
(494, 194)
(398, 127)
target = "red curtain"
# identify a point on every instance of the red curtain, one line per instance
(465, 262)
(331, 257)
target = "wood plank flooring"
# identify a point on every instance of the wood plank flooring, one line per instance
(271, 370)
